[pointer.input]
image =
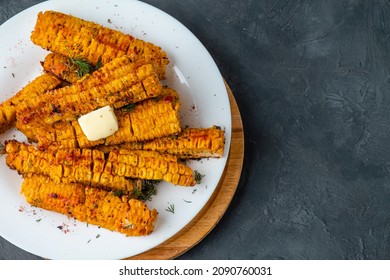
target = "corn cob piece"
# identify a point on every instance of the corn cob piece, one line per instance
(69, 35)
(67, 199)
(192, 143)
(99, 207)
(87, 167)
(131, 217)
(146, 166)
(139, 82)
(149, 119)
(91, 167)
(37, 87)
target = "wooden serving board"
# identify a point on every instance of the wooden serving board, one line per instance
(216, 207)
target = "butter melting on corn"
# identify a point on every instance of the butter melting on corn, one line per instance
(99, 123)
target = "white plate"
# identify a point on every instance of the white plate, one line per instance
(191, 71)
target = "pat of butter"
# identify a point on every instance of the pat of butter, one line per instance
(99, 124)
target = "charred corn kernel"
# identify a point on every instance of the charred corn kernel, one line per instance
(95, 206)
(37, 87)
(97, 90)
(190, 143)
(68, 35)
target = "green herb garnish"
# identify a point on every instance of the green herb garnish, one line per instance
(146, 190)
(79, 65)
(198, 177)
(83, 67)
(128, 108)
(171, 208)
(2, 149)
(118, 193)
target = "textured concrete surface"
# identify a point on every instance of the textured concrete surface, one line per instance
(312, 82)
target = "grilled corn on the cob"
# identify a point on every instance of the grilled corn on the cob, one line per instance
(131, 217)
(192, 143)
(153, 118)
(92, 167)
(68, 199)
(149, 119)
(88, 167)
(69, 35)
(99, 207)
(37, 87)
(132, 83)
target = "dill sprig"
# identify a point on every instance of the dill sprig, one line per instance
(198, 177)
(128, 108)
(171, 208)
(118, 193)
(83, 67)
(80, 66)
(146, 190)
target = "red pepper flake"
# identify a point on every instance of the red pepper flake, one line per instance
(64, 228)
(168, 99)
(53, 195)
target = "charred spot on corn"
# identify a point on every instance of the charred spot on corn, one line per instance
(55, 109)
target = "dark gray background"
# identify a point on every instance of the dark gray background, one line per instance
(311, 79)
